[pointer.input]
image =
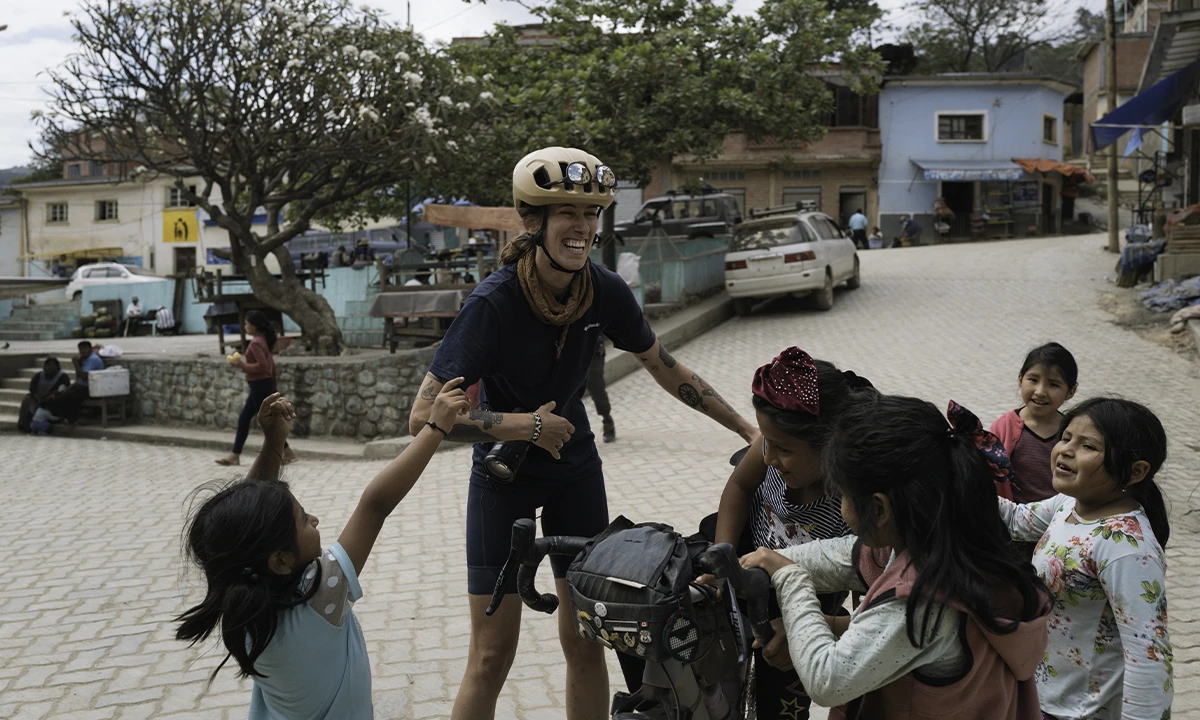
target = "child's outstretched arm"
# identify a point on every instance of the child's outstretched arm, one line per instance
(274, 417)
(391, 485)
(1029, 522)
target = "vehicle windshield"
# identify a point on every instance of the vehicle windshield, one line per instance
(660, 210)
(761, 237)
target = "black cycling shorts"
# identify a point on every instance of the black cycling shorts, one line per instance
(572, 507)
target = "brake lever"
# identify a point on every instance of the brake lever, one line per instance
(752, 585)
(522, 540)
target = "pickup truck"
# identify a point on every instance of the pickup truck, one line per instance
(691, 216)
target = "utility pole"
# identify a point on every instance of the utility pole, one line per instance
(1110, 58)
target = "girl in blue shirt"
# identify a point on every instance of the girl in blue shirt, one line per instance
(281, 603)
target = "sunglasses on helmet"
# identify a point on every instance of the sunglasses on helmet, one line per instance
(578, 174)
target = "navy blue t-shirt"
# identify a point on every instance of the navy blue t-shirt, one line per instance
(497, 337)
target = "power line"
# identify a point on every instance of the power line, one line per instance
(442, 22)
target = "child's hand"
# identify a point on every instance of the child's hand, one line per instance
(449, 404)
(275, 418)
(776, 652)
(766, 559)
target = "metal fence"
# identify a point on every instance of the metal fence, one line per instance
(671, 269)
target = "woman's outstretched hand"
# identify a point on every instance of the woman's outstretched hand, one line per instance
(275, 417)
(765, 559)
(451, 401)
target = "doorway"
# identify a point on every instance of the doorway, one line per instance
(851, 199)
(185, 259)
(1048, 224)
(960, 198)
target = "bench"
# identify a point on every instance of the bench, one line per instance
(113, 402)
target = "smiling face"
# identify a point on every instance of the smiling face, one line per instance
(1078, 464)
(1043, 390)
(570, 230)
(798, 462)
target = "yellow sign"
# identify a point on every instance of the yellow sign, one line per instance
(180, 226)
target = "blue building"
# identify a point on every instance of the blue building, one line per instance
(989, 146)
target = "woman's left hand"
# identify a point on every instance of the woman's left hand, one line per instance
(765, 559)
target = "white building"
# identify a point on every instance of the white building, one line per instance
(12, 232)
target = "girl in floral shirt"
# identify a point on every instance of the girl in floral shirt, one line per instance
(1100, 551)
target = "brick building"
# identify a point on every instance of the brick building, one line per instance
(840, 172)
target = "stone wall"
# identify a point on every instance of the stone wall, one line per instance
(364, 398)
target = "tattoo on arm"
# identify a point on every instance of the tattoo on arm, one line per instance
(665, 357)
(428, 391)
(691, 398)
(485, 417)
(707, 391)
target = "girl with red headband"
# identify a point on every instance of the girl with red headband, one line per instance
(776, 496)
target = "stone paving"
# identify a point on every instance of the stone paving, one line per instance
(92, 572)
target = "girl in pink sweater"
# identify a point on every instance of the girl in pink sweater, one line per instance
(1046, 381)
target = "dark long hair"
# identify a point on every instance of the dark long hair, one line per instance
(944, 504)
(1053, 355)
(231, 538)
(835, 389)
(258, 319)
(526, 242)
(1131, 433)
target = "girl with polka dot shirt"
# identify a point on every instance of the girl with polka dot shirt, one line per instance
(282, 604)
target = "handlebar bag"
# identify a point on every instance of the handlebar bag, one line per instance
(628, 583)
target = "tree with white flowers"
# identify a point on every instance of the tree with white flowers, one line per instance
(290, 107)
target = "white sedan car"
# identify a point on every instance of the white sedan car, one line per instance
(786, 251)
(107, 274)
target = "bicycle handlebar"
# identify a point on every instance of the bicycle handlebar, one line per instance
(528, 553)
(752, 585)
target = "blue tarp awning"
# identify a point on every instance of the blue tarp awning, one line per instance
(1155, 106)
(967, 170)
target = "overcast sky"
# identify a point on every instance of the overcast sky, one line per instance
(39, 36)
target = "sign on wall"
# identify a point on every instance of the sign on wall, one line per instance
(180, 226)
(1025, 193)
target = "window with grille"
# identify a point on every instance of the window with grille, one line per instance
(960, 127)
(725, 175)
(95, 168)
(106, 209)
(175, 197)
(805, 174)
(56, 212)
(74, 170)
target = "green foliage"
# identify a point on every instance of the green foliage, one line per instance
(638, 82)
(982, 35)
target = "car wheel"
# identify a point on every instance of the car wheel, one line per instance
(855, 280)
(741, 307)
(78, 295)
(823, 298)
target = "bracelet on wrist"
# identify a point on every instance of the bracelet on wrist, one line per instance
(537, 427)
(434, 425)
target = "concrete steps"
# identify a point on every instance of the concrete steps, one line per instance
(41, 322)
(15, 384)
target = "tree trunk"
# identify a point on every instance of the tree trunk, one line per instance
(287, 294)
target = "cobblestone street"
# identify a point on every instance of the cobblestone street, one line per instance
(92, 572)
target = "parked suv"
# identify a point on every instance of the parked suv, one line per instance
(107, 274)
(691, 216)
(786, 251)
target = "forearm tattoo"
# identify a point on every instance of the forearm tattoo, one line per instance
(708, 391)
(485, 418)
(695, 398)
(691, 398)
(665, 357)
(428, 390)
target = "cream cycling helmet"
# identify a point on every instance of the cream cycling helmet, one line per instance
(562, 175)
